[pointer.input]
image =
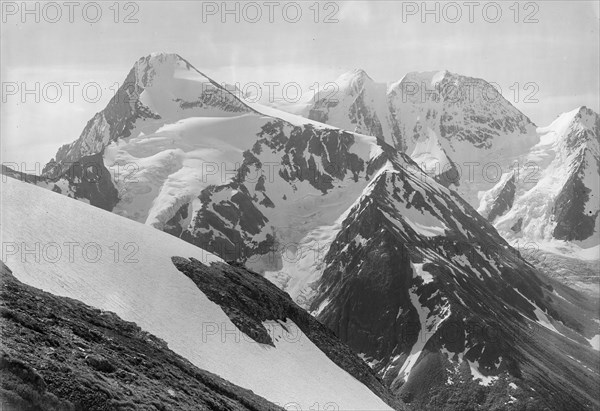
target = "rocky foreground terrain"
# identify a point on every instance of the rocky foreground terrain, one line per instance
(60, 354)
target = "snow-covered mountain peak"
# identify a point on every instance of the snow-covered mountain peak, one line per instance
(572, 130)
(160, 89)
(353, 80)
(160, 65)
(586, 119)
(582, 115)
(160, 58)
(583, 130)
(357, 103)
(172, 87)
(447, 120)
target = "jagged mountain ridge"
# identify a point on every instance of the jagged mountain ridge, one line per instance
(444, 121)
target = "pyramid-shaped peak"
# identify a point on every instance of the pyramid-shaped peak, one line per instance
(162, 66)
(356, 77)
(161, 57)
(582, 114)
(587, 119)
(358, 72)
(573, 128)
(157, 60)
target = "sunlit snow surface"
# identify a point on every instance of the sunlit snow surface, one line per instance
(150, 291)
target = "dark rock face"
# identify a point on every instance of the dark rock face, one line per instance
(249, 299)
(449, 177)
(86, 179)
(226, 227)
(517, 226)
(504, 200)
(572, 223)
(59, 354)
(175, 225)
(355, 297)
(328, 153)
(7, 171)
(320, 115)
(476, 307)
(90, 179)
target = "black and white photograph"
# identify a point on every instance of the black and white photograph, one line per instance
(310, 205)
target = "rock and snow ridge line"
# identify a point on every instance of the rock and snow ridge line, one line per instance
(96, 360)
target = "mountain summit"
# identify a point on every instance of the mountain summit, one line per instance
(160, 88)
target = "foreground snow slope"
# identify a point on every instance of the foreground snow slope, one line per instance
(141, 284)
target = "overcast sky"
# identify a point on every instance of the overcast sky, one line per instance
(558, 50)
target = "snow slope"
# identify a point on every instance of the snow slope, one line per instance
(141, 284)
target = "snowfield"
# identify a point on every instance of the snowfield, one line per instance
(104, 260)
